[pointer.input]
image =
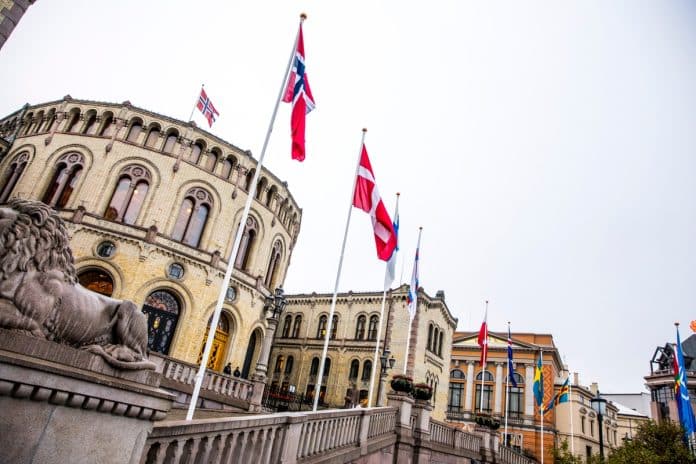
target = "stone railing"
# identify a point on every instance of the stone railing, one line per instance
(510, 456)
(182, 372)
(337, 435)
(453, 437)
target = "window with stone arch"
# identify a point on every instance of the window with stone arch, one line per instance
(272, 192)
(487, 390)
(354, 368)
(367, 371)
(246, 246)
(456, 390)
(134, 130)
(271, 279)
(193, 217)
(321, 327)
(153, 136)
(196, 150)
(360, 327)
(170, 141)
(28, 124)
(297, 326)
(289, 365)
(49, 120)
(334, 326)
(107, 126)
(372, 328)
(286, 326)
(91, 123)
(162, 309)
(211, 159)
(431, 328)
(227, 166)
(129, 194)
(439, 344)
(249, 177)
(73, 121)
(64, 180)
(12, 175)
(260, 187)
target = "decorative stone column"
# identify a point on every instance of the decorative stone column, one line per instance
(262, 363)
(469, 386)
(403, 449)
(498, 388)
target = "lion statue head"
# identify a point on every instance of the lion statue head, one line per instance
(34, 238)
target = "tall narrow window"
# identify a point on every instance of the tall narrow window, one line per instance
(327, 367)
(273, 265)
(91, 124)
(152, 137)
(372, 329)
(314, 368)
(286, 326)
(354, 368)
(429, 346)
(49, 120)
(367, 371)
(289, 365)
(73, 121)
(439, 345)
(334, 327)
(272, 192)
(226, 168)
(129, 195)
(28, 123)
(170, 142)
(260, 187)
(487, 390)
(14, 172)
(196, 150)
(193, 217)
(107, 128)
(296, 326)
(247, 244)
(134, 131)
(212, 159)
(68, 170)
(321, 328)
(249, 178)
(360, 328)
(516, 401)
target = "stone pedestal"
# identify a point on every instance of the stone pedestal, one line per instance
(61, 404)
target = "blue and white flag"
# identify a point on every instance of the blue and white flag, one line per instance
(511, 370)
(413, 289)
(391, 264)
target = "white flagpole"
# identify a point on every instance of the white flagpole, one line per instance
(415, 305)
(485, 360)
(317, 389)
(235, 247)
(541, 357)
(195, 105)
(381, 315)
(570, 401)
(507, 395)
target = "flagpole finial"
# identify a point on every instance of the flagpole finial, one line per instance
(364, 129)
(303, 16)
(676, 324)
(398, 194)
(420, 228)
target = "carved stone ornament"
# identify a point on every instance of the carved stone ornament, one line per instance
(40, 295)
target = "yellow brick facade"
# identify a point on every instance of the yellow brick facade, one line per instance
(427, 363)
(43, 135)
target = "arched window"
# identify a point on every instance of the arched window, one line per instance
(246, 246)
(289, 365)
(73, 121)
(170, 142)
(279, 364)
(193, 216)
(107, 128)
(429, 346)
(129, 194)
(360, 328)
(249, 178)
(367, 371)
(136, 127)
(327, 367)
(260, 187)
(28, 123)
(354, 368)
(286, 326)
(321, 328)
(372, 329)
(272, 192)
(334, 327)
(196, 150)
(457, 374)
(97, 280)
(153, 136)
(487, 391)
(12, 175)
(227, 166)
(68, 170)
(273, 265)
(516, 400)
(454, 400)
(212, 159)
(91, 124)
(162, 309)
(49, 120)
(314, 368)
(439, 345)
(296, 326)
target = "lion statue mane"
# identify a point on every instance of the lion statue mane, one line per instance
(39, 292)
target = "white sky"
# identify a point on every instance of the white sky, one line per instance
(547, 148)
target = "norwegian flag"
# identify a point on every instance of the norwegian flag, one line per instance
(483, 338)
(206, 107)
(366, 197)
(299, 94)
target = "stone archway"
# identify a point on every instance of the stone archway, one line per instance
(252, 353)
(97, 280)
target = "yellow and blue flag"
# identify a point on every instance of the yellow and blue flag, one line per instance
(681, 394)
(538, 383)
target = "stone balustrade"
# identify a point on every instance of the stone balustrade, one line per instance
(334, 435)
(184, 373)
(510, 456)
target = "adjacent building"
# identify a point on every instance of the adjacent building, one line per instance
(11, 11)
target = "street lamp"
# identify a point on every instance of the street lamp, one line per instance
(599, 405)
(386, 362)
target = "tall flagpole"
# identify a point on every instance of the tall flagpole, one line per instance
(541, 359)
(415, 305)
(195, 105)
(507, 395)
(237, 240)
(570, 400)
(317, 389)
(381, 314)
(485, 360)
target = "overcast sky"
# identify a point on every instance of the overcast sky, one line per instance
(547, 148)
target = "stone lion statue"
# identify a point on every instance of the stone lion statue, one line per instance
(39, 292)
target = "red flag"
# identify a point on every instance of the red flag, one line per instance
(206, 107)
(366, 197)
(483, 340)
(299, 94)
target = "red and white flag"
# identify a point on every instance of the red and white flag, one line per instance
(483, 338)
(299, 94)
(206, 107)
(366, 197)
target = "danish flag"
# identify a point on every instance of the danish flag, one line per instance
(366, 197)
(298, 93)
(206, 107)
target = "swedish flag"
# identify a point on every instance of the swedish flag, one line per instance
(538, 383)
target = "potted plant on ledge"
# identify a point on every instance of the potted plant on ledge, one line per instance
(402, 383)
(484, 420)
(422, 391)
